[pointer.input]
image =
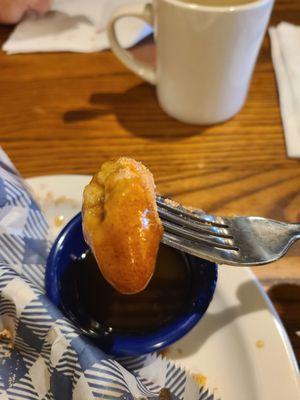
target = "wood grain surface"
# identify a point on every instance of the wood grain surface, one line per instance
(67, 113)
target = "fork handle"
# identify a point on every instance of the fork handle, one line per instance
(295, 230)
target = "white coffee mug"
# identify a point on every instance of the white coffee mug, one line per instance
(205, 54)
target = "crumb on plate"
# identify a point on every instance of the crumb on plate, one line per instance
(63, 200)
(260, 344)
(200, 378)
(59, 220)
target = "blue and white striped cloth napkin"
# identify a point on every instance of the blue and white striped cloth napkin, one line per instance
(42, 354)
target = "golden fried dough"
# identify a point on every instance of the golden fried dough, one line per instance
(121, 224)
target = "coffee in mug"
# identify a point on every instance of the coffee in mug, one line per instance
(218, 3)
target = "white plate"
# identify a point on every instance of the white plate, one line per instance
(240, 345)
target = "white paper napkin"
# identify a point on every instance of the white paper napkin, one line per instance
(285, 45)
(74, 25)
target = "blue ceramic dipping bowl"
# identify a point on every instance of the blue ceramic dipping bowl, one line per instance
(70, 244)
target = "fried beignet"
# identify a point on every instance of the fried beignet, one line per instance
(121, 224)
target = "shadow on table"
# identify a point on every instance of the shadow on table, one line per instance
(84, 114)
(213, 322)
(138, 111)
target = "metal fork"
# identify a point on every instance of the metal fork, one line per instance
(237, 240)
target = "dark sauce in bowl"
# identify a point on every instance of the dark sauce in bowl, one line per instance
(88, 297)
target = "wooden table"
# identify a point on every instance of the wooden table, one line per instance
(67, 113)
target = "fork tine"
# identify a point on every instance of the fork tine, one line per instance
(198, 237)
(217, 255)
(192, 224)
(198, 216)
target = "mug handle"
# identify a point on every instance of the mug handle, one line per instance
(144, 12)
